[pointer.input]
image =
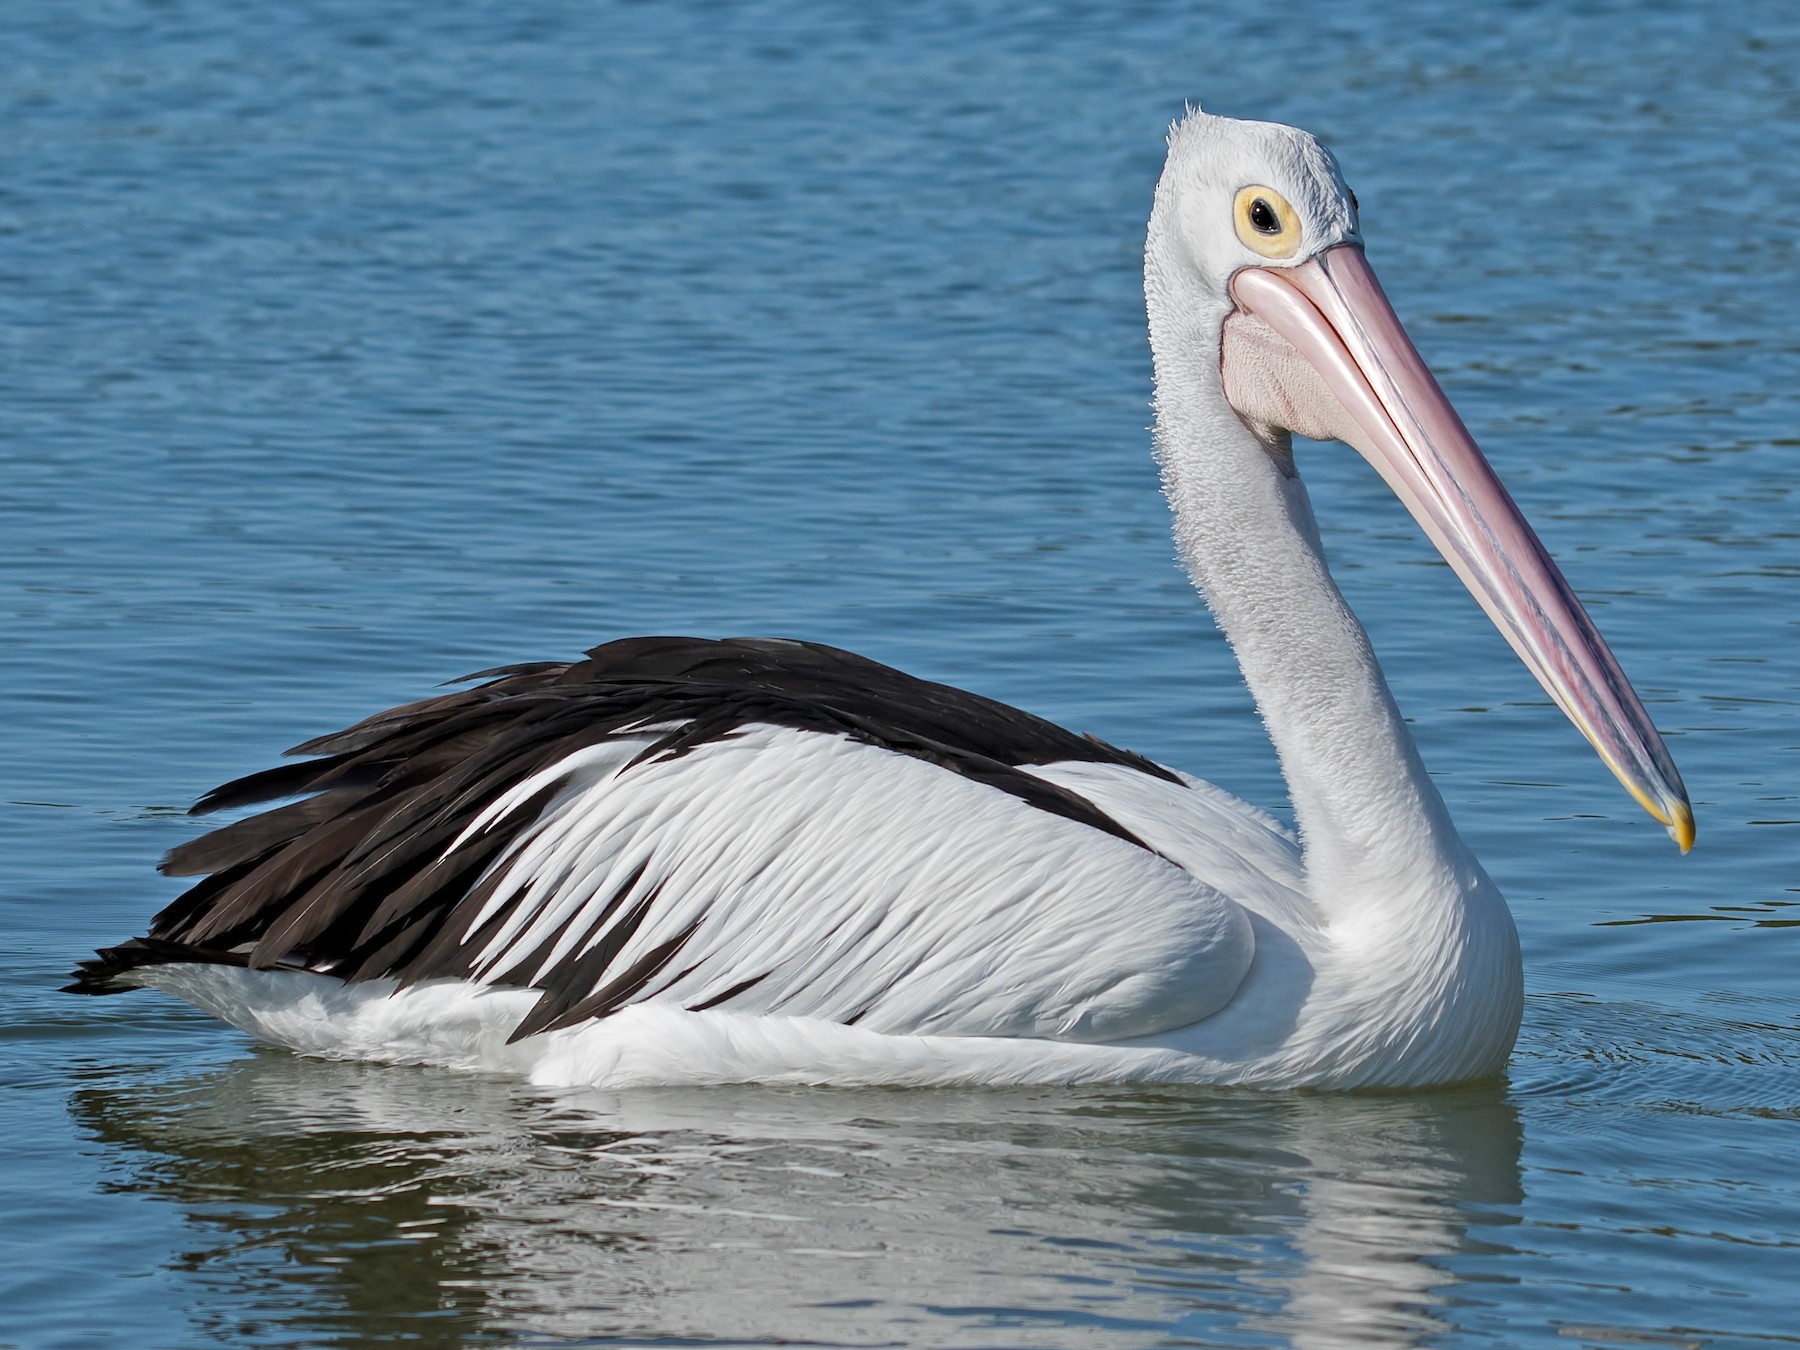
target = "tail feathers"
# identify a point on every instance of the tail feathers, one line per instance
(101, 975)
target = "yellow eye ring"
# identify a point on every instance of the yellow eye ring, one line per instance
(1265, 222)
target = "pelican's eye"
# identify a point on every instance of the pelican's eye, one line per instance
(1265, 222)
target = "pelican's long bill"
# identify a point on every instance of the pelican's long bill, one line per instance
(1330, 313)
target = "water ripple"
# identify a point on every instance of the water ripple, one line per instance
(348, 347)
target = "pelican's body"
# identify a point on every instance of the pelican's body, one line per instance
(692, 861)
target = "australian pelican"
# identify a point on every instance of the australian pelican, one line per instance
(682, 860)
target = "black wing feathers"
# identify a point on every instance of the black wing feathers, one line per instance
(357, 878)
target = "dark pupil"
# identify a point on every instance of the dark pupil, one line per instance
(1262, 217)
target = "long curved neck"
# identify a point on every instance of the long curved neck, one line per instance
(1372, 824)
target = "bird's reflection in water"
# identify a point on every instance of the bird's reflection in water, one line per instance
(375, 1203)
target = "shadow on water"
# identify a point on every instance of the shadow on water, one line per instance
(344, 1203)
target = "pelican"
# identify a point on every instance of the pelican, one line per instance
(682, 860)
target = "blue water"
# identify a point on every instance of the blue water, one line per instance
(347, 347)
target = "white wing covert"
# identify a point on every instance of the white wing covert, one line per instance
(791, 873)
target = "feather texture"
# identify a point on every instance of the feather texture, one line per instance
(765, 826)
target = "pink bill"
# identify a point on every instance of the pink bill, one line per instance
(1332, 311)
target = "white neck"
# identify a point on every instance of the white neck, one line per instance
(1374, 829)
(1422, 981)
(1407, 968)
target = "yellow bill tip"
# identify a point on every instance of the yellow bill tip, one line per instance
(1681, 828)
(1672, 813)
(1677, 817)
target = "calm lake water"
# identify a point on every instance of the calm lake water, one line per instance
(352, 346)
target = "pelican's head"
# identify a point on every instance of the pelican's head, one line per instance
(1247, 194)
(1255, 258)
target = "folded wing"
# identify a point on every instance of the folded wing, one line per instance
(777, 828)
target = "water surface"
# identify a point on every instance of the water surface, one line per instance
(345, 348)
